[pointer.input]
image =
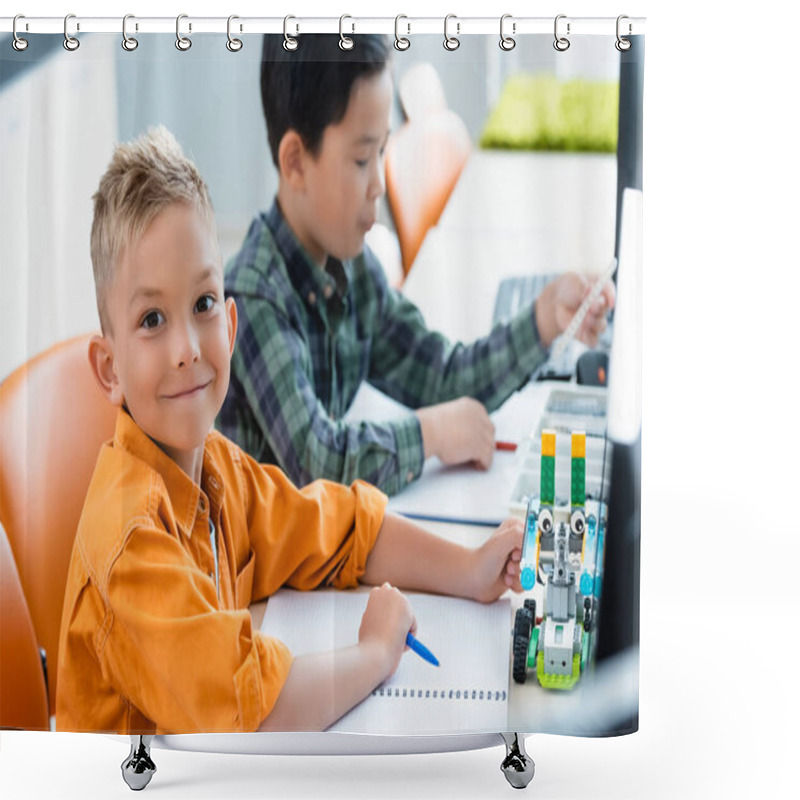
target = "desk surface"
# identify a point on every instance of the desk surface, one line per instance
(531, 708)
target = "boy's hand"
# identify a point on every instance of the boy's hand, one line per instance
(561, 298)
(387, 620)
(457, 432)
(496, 562)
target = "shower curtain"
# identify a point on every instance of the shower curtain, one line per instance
(510, 162)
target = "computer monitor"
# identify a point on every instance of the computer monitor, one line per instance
(617, 642)
(618, 614)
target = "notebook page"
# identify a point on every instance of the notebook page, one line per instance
(461, 492)
(468, 692)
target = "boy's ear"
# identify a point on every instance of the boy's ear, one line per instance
(101, 360)
(291, 157)
(233, 322)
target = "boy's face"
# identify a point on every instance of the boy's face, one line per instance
(172, 332)
(345, 180)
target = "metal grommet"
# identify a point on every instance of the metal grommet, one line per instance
(507, 42)
(345, 42)
(128, 42)
(234, 45)
(401, 43)
(451, 42)
(289, 43)
(622, 44)
(18, 43)
(561, 43)
(183, 43)
(70, 42)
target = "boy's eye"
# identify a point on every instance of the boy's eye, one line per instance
(205, 303)
(362, 162)
(152, 320)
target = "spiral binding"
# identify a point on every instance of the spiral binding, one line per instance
(562, 26)
(460, 694)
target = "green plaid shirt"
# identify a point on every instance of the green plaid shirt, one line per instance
(309, 337)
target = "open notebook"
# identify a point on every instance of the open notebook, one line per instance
(468, 692)
(463, 493)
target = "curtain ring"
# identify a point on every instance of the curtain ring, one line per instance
(70, 42)
(128, 42)
(400, 42)
(507, 42)
(234, 45)
(622, 44)
(183, 43)
(289, 42)
(18, 43)
(561, 43)
(345, 42)
(451, 42)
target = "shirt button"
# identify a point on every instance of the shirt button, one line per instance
(202, 505)
(328, 291)
(312, 298)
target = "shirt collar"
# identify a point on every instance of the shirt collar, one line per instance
(186, 497)
(308, 279)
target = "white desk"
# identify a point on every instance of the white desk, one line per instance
(512, 213)
(531, 708)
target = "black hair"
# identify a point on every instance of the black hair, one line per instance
(309, 88)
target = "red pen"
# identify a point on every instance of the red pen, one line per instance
(509, 447)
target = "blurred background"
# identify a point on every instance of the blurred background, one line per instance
(61, 113)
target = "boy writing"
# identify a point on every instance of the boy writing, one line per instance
(181, 530)
(317, 317)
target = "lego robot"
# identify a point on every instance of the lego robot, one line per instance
(554, 554)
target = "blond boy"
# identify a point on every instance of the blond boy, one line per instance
(181, 530)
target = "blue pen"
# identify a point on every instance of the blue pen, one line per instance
(420, 649)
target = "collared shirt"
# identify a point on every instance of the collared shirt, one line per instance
(156, 635)
(309, 337)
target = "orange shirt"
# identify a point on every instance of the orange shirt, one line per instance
(147, 643)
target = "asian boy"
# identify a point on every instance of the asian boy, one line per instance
(317, 317)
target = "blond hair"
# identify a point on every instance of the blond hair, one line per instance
(145, 176)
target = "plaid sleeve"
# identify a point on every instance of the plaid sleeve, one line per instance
(271, 364)
(419, 367)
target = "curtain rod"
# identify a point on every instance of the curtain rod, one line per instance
(297, 25)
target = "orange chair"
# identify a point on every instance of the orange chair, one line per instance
(23, 694)
(424, 160)
(53, 420)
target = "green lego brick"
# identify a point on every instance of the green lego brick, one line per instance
(532, 647)
(585, 651)
(578, 496)
(547, 482)
(549, 681)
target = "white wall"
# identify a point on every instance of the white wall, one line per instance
(57, 125)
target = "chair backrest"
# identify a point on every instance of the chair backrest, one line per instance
(23, 694)
(424, 160)
(53, 420)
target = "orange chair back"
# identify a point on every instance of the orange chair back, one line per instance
(23, 696)
(424, 161)
(53, 420)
